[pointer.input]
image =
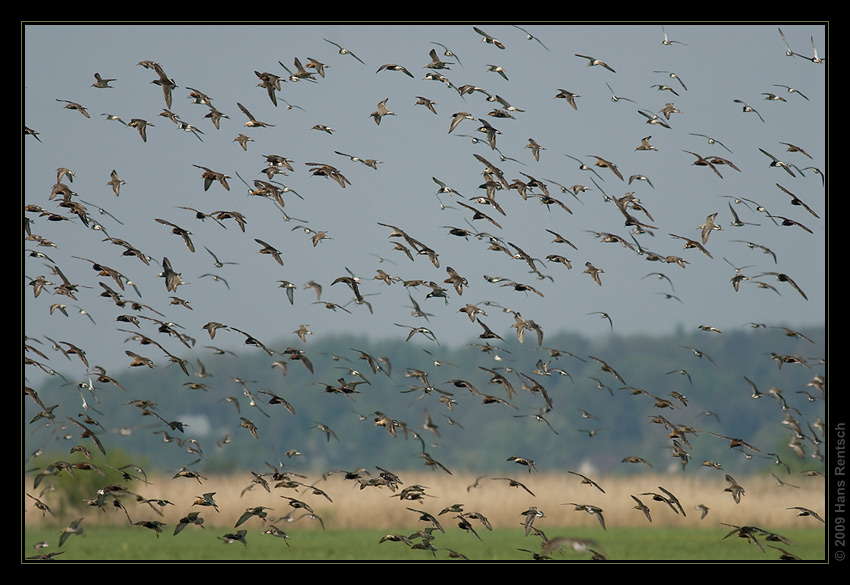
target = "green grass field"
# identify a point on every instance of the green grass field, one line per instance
(111, 543)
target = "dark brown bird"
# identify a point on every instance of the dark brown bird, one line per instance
(781, 277)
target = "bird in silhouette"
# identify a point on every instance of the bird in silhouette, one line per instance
(797, 201)
(782, 277)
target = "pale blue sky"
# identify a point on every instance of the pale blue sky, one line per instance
(717, 64)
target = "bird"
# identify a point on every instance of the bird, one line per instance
(206, 500)
(498, 69)
(616, 98)
(603, 365)
(193, 518)
(69, 105)
(645, 144)
(490, 131)
(667, 41)
(531, 37)
(592, 61)
(665, 87)
(394, 67)
(172, 278)
(269, 249)
(734, 488)
(569, 96)
(747, 108)
(381, 111)
(141, 126)
(252, 121)
(102, 82)
(639, 505)
(635, 459)
(594, 272)
(243, 141)
(673, 75)
(485, 38)
(711, 140)
(814, 58)
(238, 536)
(535, 148)
(690, 243)
(704, 162)
(801, 511)
(604, 315)
(653, 119)
(513, 483)
(790, 89)
(525, 461)
(210, 176)
(775, 162)
(72, 529)
(176, 229)
(587, 481)
(735, 442)
(601, 162)
(428, 103)
(782, 277)
(590, 509)
(327, 430)
(344, 51)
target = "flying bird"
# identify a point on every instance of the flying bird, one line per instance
(593, 61)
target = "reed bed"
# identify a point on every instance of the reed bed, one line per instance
(348, 506)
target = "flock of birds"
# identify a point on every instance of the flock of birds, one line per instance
(60, 271)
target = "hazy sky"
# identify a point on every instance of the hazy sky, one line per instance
(714, 65)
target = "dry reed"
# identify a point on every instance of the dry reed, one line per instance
(765, 503)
